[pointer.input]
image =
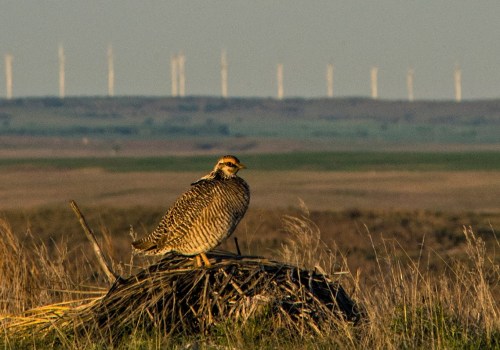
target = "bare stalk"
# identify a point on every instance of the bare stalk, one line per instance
(112, 276)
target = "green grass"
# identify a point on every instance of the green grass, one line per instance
(320, 161)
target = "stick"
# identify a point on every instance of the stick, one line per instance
(237, 246)
(112, 276)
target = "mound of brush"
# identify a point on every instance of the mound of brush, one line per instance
(175, 296)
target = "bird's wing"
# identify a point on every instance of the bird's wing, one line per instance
(184, 213)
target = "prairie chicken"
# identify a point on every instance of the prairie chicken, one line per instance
(202, 217)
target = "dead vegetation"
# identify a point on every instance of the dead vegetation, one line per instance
(177, 298)
(174, 296)
(248, 302)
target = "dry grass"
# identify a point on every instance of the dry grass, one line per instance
(453, 309)
(410, 305)
(31, 276)
(389, 190)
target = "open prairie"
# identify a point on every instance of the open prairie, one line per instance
(448, 191)
(409, 227)
(395, 199)
(407, 245)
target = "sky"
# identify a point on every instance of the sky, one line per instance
(430, 36)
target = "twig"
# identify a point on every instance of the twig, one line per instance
(235, 286)
(112, 276)
(237, 246)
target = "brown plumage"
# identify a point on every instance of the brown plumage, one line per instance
(202, 217)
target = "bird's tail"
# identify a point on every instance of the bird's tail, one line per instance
(143, 246)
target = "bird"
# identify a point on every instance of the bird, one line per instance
(204, 216)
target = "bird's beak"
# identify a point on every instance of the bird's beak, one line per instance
(242, 166)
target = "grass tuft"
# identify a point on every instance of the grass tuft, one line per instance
(45, 301)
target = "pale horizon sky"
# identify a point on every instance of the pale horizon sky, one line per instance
(429, 36)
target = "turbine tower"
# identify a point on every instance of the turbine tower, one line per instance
(279, 76)
(111, 72)
(174, 73)
(182, 74)
(223, 73)
(329, 80)
(62, 61)
(409, 84)
(374, 83)
(458, 83)
(8, 75)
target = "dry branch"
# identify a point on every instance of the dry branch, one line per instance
(110, 274)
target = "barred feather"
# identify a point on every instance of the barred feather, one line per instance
(202, 217)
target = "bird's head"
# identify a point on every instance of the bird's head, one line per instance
(229, 165)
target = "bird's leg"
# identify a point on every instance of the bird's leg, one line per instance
(198, 261)
(205, 259)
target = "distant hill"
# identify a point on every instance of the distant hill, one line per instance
(326, 121)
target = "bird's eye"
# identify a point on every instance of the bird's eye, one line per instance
(231, 165)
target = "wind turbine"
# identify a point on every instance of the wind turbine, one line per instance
(329, 80)
(279, 76)
(8, 75)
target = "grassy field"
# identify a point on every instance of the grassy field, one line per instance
(422, 297)
(456, 181)
(445, 191)
(413, 235)
(399, 202)
(310, 161)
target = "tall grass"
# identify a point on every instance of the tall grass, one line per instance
(33, 275)
(410, 305)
